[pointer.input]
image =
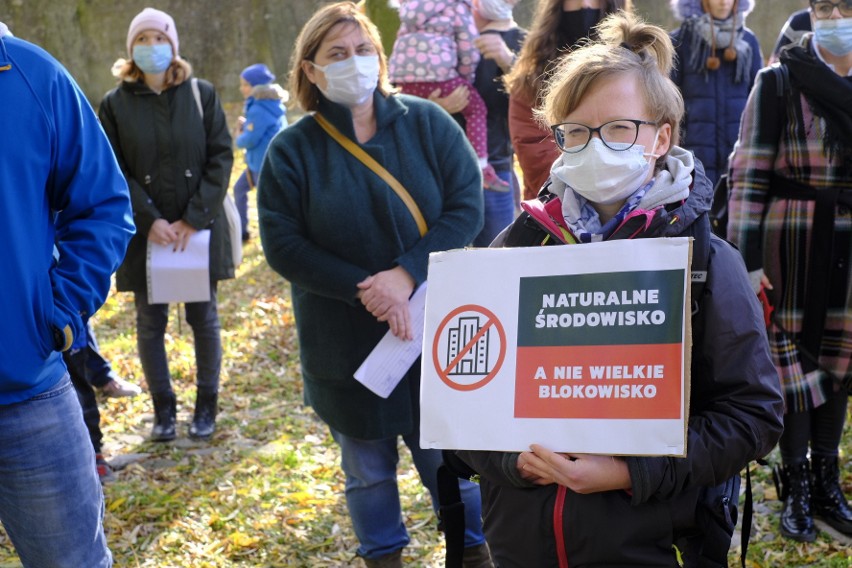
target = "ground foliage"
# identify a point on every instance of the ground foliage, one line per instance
(267, 489)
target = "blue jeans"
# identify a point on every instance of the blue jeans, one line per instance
(499, 211)
(241, 189)
(51, 501)
(203, 318)
(372, 494)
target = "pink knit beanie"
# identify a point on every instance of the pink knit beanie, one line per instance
(151, 19)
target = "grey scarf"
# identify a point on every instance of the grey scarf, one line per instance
(698, 30)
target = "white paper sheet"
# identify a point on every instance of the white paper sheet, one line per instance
(180, 276)
(392, 357)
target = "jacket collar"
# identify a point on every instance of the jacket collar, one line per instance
(387, 109)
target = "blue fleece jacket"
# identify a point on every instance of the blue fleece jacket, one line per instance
(265, 117)
(60, 186)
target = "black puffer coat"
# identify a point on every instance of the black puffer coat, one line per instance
(177, 167)
(734, 417)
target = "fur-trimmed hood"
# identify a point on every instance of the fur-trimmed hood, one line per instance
(684, 9)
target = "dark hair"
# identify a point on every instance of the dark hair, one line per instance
(540, 50)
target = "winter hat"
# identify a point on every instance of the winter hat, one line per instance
(685, 9)
(496, 9)
(257, 74)
(152, 19)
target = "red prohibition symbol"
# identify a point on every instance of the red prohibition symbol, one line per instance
(468, 347)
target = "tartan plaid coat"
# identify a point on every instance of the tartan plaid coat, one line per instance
(780, 135)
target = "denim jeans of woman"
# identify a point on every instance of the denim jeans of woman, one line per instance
(241, 190)
(51, 501)
(499, 210)
(203, 318)
(372, 493)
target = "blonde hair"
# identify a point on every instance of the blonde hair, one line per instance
(178, 71)
(541, 50)
(625, 45)
(306, 94)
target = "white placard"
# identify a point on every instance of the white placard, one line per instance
(580, 348)
(180, 276)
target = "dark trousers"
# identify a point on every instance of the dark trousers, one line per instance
(151, 322)
(76, 361)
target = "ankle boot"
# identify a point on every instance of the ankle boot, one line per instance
(797, 520)
(477, 557)
(204, 420)
(392, 560)
(165, 410)
(829, 503)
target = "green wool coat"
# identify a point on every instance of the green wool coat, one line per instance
(327, 222)
(177, 167)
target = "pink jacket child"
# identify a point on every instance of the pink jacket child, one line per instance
(434, 50)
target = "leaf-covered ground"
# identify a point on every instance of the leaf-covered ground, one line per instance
(267, 489)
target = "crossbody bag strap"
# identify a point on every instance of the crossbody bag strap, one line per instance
(377, 168)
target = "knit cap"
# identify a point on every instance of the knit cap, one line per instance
(257, 74)
(152, 19)
(684, 9)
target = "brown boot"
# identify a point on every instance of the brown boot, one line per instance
(477, 557)
(392, 560)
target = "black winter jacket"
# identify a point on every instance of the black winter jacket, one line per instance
(177, 167)
(735, 416)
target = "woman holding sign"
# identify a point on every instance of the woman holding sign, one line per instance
(354, 249)
(622, 175)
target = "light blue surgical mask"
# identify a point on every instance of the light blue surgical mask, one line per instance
(834, 35)
(153, 58)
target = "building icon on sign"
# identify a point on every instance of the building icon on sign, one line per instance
(474, 361)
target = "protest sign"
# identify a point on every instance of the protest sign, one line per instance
(578, 348)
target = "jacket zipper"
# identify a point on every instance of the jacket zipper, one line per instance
(558, 525)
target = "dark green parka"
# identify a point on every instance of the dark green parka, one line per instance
(177, 167)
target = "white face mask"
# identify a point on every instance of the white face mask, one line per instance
(603, 175)
(352, 81)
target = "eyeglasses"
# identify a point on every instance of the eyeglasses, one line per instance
(619, 135)
(824, 9)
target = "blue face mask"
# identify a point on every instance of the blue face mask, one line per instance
(153, 58)
(834, 35)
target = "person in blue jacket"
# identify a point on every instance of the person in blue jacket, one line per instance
(263, 117)
(717, 61)
(60, 186)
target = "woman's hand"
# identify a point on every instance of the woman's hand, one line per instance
(492, 46)
(161, 232)
(385, 295)
(183, 231)
(581, 473)
(453, 103)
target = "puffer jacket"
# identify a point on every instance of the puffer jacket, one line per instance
(735, 416)
(265, 117)
(177, 165)
(714, 99)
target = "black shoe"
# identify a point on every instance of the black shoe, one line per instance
(246, 237)
(204, 421)
(829, 503)
(165, 412)
(797, 521)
